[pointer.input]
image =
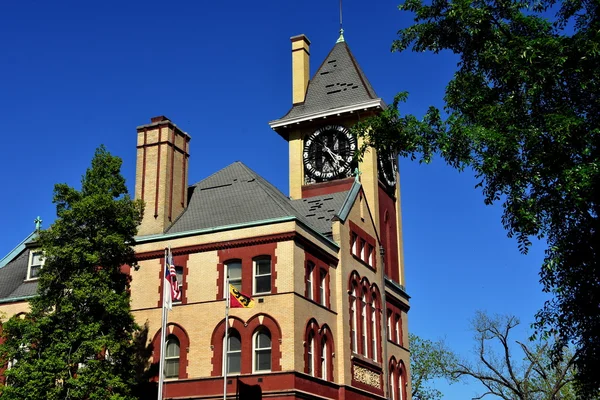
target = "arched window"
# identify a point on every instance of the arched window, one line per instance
(365, 345)
(311, 354)
(353, 311)
(262, 350)
(374, 330)
(172, 357)
(400, 384)
(233, 270)
(262, 275)
(392, 385)
(324, 356)
(234, 352)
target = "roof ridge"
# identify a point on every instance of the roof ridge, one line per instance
(215, 173)
(361, 74)
(265, 185)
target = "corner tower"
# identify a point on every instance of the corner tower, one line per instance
(321, 147)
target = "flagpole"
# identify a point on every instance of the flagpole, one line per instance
(226, 341)
(161, 364)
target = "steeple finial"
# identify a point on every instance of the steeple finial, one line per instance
(341, 38)
(38, 224)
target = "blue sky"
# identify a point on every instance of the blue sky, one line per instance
(76, 74)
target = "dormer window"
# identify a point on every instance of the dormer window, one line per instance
(36, 262)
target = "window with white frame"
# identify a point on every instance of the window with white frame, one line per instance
(36, 262)
(179, 276)
(400, 385)
(392, 386)
(353, 311)
(365, 345)
(262, 275)
(172, 357)
(322, 287)
(234, 352)
(233, 270)
(354, 239)
(309, 280)
(374, 329)
(370, 253)
(389, 324)
(398, 331)
(262, 350)
(311, 354)
(324, 358)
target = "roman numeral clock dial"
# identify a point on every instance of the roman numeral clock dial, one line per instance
(388, 167)
(328, 153)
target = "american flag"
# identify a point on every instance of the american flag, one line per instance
(172, 292)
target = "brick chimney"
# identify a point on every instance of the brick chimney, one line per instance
(300, 67)
(161, 173)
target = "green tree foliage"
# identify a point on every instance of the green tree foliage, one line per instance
(77, 342)
(428, 360)
(523, 111)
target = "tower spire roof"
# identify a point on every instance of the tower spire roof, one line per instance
(338, 84)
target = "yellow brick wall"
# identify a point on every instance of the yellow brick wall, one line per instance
(7, 310)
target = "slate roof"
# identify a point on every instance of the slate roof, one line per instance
(320, 210)
(234, 195)
(338, 82)
(12, 278)
(238, 195)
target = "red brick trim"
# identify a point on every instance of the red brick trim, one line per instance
(246, 255)
(157, 176)
(144, 163)
(371, 367)
(184, 347)
(369, 241)
(180, 261)
(323, 188)
(312, 327)
(246, 331)
(364, 287)
(171, 176)
(325, 332)
(217, 339)
(320, 265)
(397, 370)
(395, 313)
(319, 333)
(280, 237)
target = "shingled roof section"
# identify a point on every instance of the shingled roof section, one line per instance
(339, 82)
(12, 278)
(234, 195)
(320, 210)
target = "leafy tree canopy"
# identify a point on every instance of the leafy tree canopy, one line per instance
(428, 361)
(523, 111)
(77, 341)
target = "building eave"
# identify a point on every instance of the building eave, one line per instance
(15, 299)
(363, 106)
(176, 235)
(17, 250)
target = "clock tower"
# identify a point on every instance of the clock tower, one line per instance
(321, 147)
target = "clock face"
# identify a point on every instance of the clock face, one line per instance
(388, 167)
(328, 153)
